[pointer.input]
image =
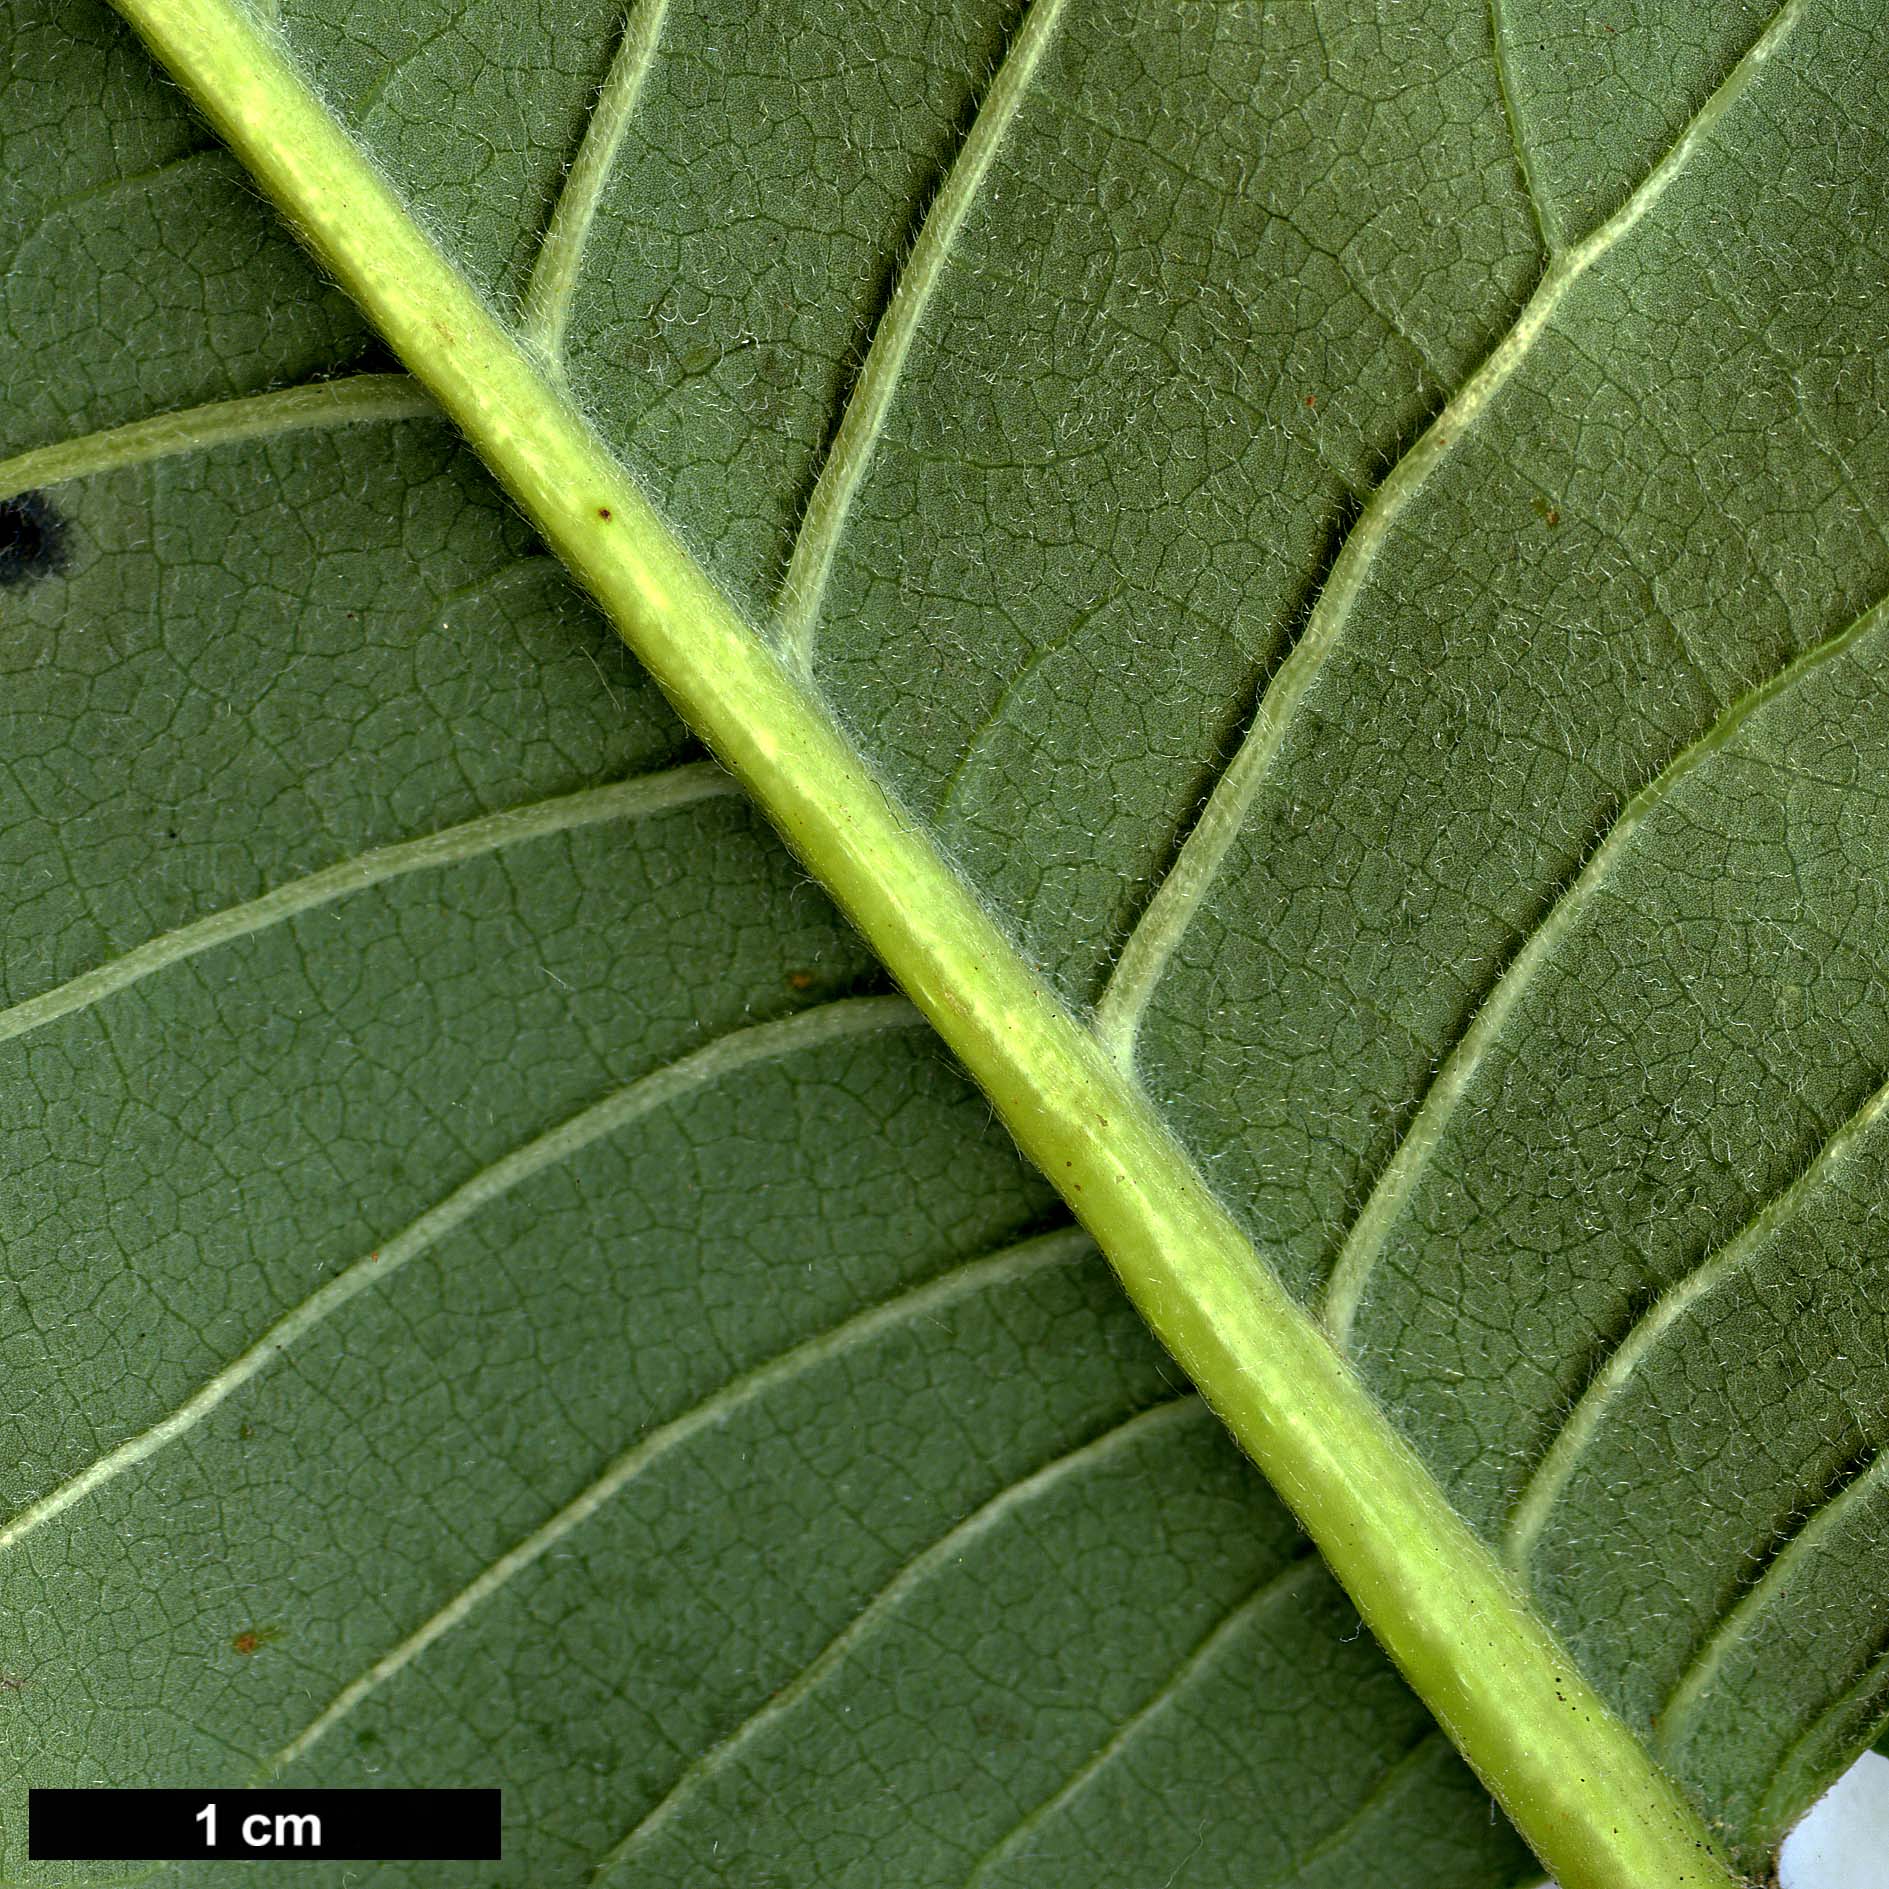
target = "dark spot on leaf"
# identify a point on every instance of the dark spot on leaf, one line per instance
(32, 538)
(603, 512)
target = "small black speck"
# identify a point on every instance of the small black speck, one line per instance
(32, 538)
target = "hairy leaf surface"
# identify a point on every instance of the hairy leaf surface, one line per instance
(1358, 537)
(496, 1292)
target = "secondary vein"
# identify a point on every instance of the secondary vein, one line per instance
(1524, 161)
(1152, 944)
(1682, 1708)
(313, 407)
(811, 563)
(913, 1574)
(553, 285)
(1857, 1706)
(1299, 1572)
(728, 1055)
(1364, 1244)
(1577, 1781)
(623, 800)
(961, 1282)
(1558, 1463)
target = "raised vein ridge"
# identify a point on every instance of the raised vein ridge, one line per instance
(1575, 1779)
(1157, 936)
(1794, 1783)
(1547, 224)
(811, 562)
(1682, 1708)
(314, 407)
(1364, 1245)
(741, 1049)
(1012, 1263)
(1304, 1568)
(1558, 1463)
(623, 800)
(553, 286)
(912, 1575)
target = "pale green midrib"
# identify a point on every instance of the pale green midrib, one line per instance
(810, 564)
(1538, 205)
(638, 798)
(1021, 1261)
(1561, 1459)
(1157, 935)
(1696, 1682)
(1364, 1244)
(1298, 1572)
(912, 1575)
(1578, 1784)
(353, 401)
(552, 288)
(741, 1049)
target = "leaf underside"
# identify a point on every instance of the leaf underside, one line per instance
(498, 1293)
(1473, 835)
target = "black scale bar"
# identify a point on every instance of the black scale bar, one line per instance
(106, 1826)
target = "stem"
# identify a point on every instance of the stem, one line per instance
(1574, 1779)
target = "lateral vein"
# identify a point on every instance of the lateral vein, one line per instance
(314, 407)
(811, 564)
(1561, 1459)
(1426, 1751)
(1297, 1573)
(1154, 940)
(1575, 1778)
(727, 1055)
(1045, 1253)
(1785, 1799)
(640, 798)
(553, 286)
(1688, 1695)
(1364, 1244)
(1524, 160)
(912, 1575)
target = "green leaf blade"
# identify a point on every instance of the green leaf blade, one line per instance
(1349, 928)
(354, 867)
